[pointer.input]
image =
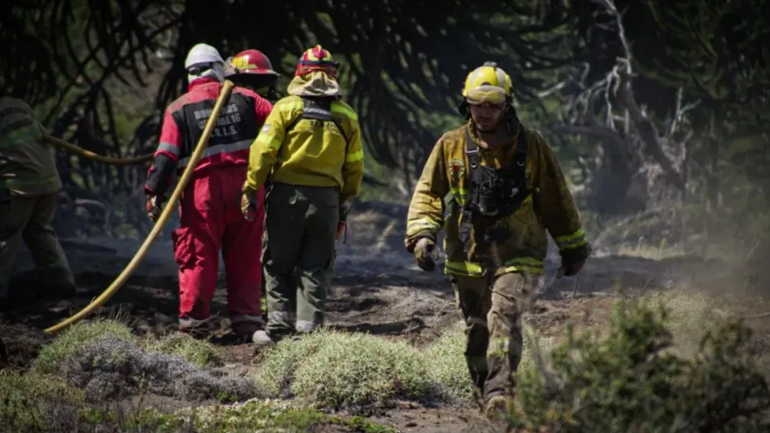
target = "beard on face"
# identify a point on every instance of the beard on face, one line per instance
(487, 119)
(487, 124)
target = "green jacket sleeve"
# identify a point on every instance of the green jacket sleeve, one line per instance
(557, 208)
(426, 210)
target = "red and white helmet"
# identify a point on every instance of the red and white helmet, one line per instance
(316, 59)
(251, 62)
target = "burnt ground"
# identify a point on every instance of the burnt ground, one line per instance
(376, 289)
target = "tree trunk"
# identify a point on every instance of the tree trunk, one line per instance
(712, 183)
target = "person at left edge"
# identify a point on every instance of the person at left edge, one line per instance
(210, 218)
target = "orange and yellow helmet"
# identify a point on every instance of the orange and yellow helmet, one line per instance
(316, 59)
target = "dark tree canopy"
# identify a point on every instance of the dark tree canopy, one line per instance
(401, 59)
(101, 72)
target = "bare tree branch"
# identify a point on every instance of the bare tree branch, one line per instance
(648, 132)
(624, 73)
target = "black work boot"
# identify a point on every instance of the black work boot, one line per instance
(56, 283)
(244, 331)
(5, 303)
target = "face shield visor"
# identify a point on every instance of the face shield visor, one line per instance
(486, 94)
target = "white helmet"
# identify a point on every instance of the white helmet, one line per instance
(202, 54)
(202, 61)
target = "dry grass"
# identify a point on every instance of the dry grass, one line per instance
(199, 352)
(645, 251)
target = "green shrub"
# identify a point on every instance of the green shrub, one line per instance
(279, 364)
(27, 402)
(250, 416)
(357, 372)
(78, 335)
(199, 352)
(631, 381)
(363, 373)
(447, 368)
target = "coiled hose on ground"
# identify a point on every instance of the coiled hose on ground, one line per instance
(132, 265)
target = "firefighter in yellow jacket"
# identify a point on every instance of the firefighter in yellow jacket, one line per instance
(310, 153)
(506, 190)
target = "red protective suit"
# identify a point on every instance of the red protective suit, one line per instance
(209, 210)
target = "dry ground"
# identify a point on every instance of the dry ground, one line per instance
(377, 289)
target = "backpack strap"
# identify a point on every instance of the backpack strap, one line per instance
(466, 226)
(319, 109)
(518, 173)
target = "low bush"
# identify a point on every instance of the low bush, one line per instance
(112, 368)
(246, 417)
(630, 380)
(447, 368)
(35, 402)
(360, 373)
(199, 352)
(77, 336)
(281, 362)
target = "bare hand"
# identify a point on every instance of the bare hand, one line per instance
(248, 207)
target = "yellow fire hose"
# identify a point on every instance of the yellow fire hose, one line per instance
(109, 160)
(123, 277)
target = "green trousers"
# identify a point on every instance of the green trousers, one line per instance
(491, 308)
(300, 229)
(28, 220)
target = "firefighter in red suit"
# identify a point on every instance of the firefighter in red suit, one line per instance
(210, 218)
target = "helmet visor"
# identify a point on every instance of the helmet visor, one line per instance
(486, 93)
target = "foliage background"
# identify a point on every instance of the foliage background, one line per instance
(99, 73)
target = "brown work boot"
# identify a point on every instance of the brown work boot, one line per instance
(499, 408)
(198, 329)
(478, 397)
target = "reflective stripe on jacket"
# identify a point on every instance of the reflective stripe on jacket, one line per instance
(183, 124)
(311, 153)
(521, 237)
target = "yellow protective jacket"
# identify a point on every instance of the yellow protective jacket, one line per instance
(311, 153)
(524, 243)
(27, 163)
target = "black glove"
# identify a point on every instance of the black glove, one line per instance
(570, 269)
(425, 254)
(573, 260)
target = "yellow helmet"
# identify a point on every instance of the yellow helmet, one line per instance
(488, 83)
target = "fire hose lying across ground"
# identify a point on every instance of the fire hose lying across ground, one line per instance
(184, 179)
(132, 265)
(108, 160)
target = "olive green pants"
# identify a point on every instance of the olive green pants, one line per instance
(298, 256)
(491, 308)
(28, 220)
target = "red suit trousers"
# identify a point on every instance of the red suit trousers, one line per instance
(211, 220)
